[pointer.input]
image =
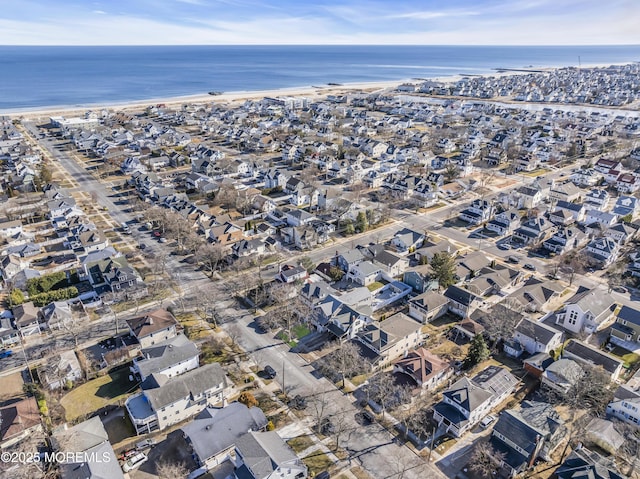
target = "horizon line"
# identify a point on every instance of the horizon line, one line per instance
(474, 45)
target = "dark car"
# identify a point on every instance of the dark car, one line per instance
(529, 266)
(513, 259)
(364, 418)
(326, 427)
(270, 372)
(298, 402)
(7, 353)
(143, 246)
(323, 475)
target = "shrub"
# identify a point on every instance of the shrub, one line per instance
(46, 283)
(16, 297)
(248, 399)
(270, 426)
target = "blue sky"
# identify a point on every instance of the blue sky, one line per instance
(449, 22)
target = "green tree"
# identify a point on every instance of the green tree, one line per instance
(335, 273)
(307, 264)
(45, 174)
(361, 222)
(627, 218)
(16, 297)
(451, 172)
(444, 269)
(478, 351)
(349, 229)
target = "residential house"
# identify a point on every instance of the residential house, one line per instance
(603, 165)
(588, 310)
(25, 317)
(57, 371)
(505, 222)
(8, 334)
(621, 233)
(586, 177)
(461, 301)
(298, 217)
(625, 332)
(57, 315)
(533, 230)
(111, 274)
(174, 356)
(340, 320)
(604, 250)
(597, 199)
(537, 364)
(428, 306)
(535, 294)
(290, 274)
(478, 212)
(154, 327)
(364, 273)
(406, 240)
(225, 234)
(426, 369)
(264, 455)
(428, 249)
(529, 197)
(9, 229)
(249, 247)
(19, 420)
(493, 280)
(525, 434)
(88, 451)
(626, 205)
(565, 238)
(625, 405)
(602, 218)
(390, 263)
(628, 183)
(213, 433)
(602, 433)
(590, 356)
(274, 178)
(567, 192)
(571, 211)
(583, 463)
(469, 265)
(467, 401)
(535, 337)
(166, 401)
(419, 278)
(389, 339)
(349, 258)
(562, 375)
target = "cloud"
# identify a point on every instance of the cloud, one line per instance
(99, 12)
(430, 15)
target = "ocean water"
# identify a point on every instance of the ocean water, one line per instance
(35, 77)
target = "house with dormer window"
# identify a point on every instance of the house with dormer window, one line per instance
(478, 212)
(467, 401)
(605, 250)
(533, 230)
(588, 310)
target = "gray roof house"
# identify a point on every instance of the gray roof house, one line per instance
(212, 435)
(90, 437)
(263, 455)
(534, 430)
(166, 401)
(535, 337)
(171, 357)
(467, 401)
(585, 354)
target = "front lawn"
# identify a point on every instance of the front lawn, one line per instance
(300, 443)
(375, 286)
(98, 393)
(317, 462)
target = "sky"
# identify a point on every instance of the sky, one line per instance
(225, 22)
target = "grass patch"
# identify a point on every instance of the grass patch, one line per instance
(266, 403)
(535, 173)
(300, 331)
(358, 380)
(300, 443)
(445, 445)
(97, 393)
(630, 359)
(375, 285)
(317, 462)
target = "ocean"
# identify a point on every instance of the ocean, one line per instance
(36, 77)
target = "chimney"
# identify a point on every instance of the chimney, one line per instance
(149, 320)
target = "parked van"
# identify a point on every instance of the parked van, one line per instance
(126, 229)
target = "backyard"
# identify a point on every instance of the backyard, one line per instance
(98, 393)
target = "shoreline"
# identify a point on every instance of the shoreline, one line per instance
(241, 95)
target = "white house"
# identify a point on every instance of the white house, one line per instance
(535, 337)
(588, 310)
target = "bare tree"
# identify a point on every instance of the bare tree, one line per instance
(171, 470)
(485, 459)
(319, 402)
(209, 256)
(630, 450)
(343, 362)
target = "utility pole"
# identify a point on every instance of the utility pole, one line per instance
(284, 389)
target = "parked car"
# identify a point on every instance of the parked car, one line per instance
(147, 443)
(298, 402)
(529, 266)
(620, 289)
(504, 246)
(134, 462)
(323, 475)
(7, 353)
(364, 418)
(326, 427)
(513, 259)
(487, 420)
(270, 372)
(162, 239)
(143, 246)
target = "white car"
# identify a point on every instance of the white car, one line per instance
(134, 461)
(487, 420)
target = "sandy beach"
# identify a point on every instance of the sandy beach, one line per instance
(312, 92)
